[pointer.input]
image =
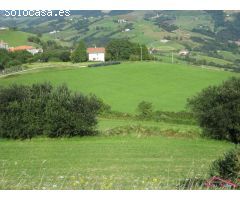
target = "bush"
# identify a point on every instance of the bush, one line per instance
(145, 109)
(217, 110)
(27, 111)
(227, 167)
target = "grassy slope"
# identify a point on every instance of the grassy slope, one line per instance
(15, 38)
(104, 162)
(123, 86)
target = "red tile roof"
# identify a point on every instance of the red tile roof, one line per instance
(96, 50)
(21, 48)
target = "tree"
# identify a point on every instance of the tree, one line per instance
(217, 109)
(80, 53)
(40, 109)
(123, 49)
(145, 109)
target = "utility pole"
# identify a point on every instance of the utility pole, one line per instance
(141, 51)
(172, 57)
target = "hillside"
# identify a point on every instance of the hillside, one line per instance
(124, 86)
(15, 38)
(211, 35)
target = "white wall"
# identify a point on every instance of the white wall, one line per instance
(96, 57)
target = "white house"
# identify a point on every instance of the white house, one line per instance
(183, 52)
(120, 21)
(96, 54)
(3, 45)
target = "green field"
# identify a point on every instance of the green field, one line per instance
(119, 162)
(15, 38)
(127, 153)
(123, 86)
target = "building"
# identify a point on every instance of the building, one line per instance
(96, 54)
(121, 21)
(30, 49)
(183, 52)
(3, 28)
(3, 45)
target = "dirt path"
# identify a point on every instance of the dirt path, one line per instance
(27, 70)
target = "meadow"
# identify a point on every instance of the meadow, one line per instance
(118, 162)
(127, 153)
(15, 38)
(124, 86)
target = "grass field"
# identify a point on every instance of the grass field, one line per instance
(15, 38)
(119, 162)
(123, 86)
(127, 153)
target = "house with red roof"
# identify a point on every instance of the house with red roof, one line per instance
(96, 54)
(30, 49)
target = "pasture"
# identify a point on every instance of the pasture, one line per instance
(127, 153)
(123, 86)
(15, 38)
(117, 162)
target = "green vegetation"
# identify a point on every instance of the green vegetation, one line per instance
(146, 138)
(119, 162)
(124, 86)
(126, 50)
(80, 53)
(40, 109)
(15, 38)
(217, 110)
(228, 166)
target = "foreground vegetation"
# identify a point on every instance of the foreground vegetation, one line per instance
(143, 148)
(118, 162)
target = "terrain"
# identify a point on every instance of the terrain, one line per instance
(124, 86)
(128, 152)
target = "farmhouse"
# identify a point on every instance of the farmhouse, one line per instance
(183, 52)
(96, 54)
(30, 49)
(3, 45)
(120, 21)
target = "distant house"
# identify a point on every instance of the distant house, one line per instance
(237, 42)
(3, 28)
(120, 21)
(30, 49)
(3, 45)
(183, 52)
(126, 30)
(96, 54)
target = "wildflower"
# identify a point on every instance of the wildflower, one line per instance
(155, 180)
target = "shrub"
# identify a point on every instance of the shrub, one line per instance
(227, 167)
(217, 109)
(27, 111)
(134, 57)
(145, 109)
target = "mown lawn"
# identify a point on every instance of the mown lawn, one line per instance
(118, 162)
(123, 86)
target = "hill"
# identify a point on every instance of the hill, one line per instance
(15, 38)
(208, 33)
(167, 86)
